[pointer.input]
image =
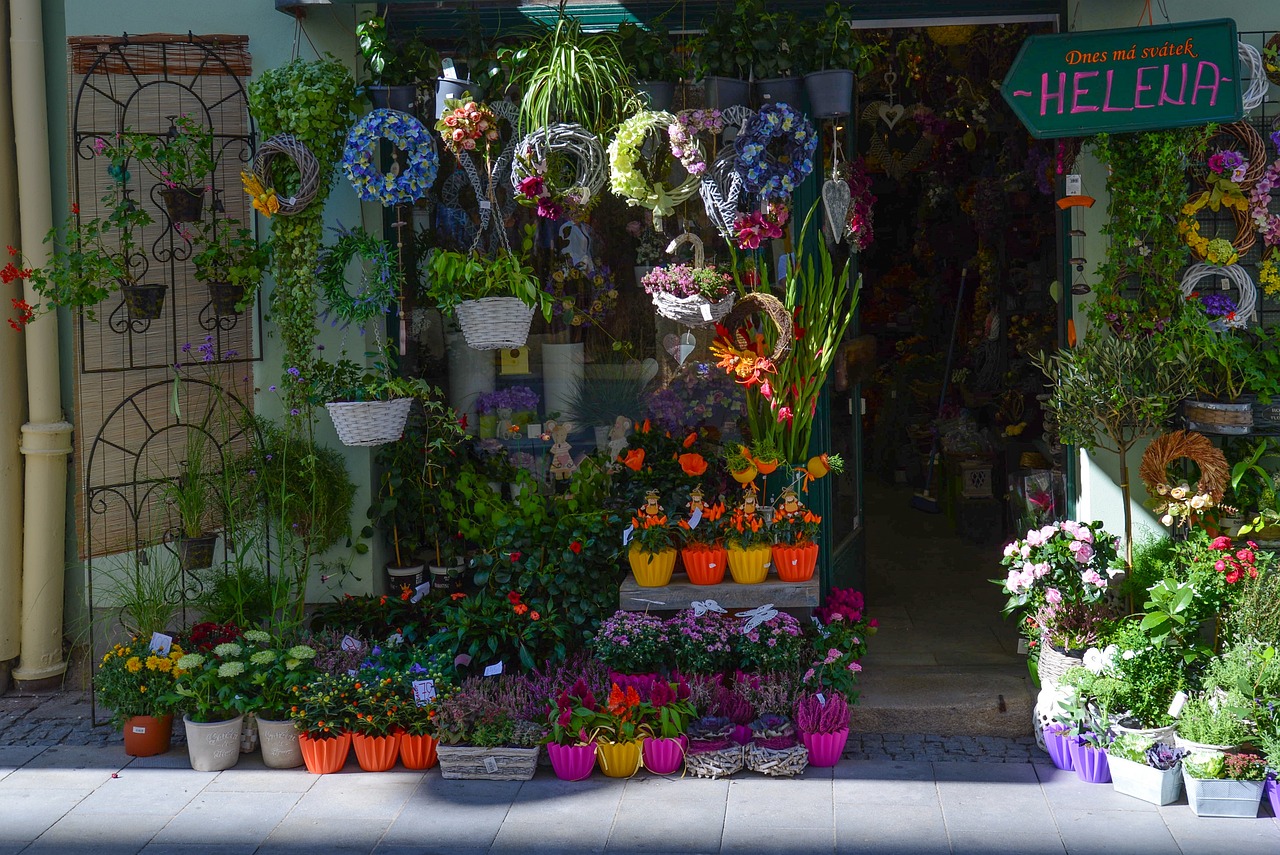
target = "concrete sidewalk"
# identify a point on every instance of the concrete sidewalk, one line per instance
(81, 799)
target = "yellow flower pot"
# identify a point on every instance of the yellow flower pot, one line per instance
(618, 759)
(749, 566)
(652, 569)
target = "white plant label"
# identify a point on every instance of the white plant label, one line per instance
(822, 699)
(626, 534)
(351, 672)
(485, 204)
(1179, 700)
(349, 644)
(139, 729)
(706, 311)
(420, 592)
(695, 518)
(424, 692)
(1074, 186)
(161, 643)
(491, 765)
(493, 670)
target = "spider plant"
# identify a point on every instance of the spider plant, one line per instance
(566, 74)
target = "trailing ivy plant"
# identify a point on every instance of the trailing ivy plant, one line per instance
(313, 100)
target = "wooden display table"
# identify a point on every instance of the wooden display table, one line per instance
(680, 594)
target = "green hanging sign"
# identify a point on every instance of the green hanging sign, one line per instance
(1120, 81)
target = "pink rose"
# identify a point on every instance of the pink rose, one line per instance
(1053, 595)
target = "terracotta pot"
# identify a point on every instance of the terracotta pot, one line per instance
(324, 756)
(376, 753)
(749, 566)
(825, 748)
(651, 569)
(618, 759)
(572, 762)
(664, 756)
(417, 752)
(146, 736)
(705, 564)
(795, 563)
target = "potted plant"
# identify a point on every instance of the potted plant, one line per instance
(1210, 725)
(420, 686)
(664, 750)
(278, 670)
(1151, 771)
(375, 736)
(740, 464)
(323, 712)
(480, 738)
(774, 67)
(748, 541)
(368, 406)
(569, 746)
(1223, 358)
(775, 749)
(838, 58)
(691, 294)
(396, 68)
(493, 298)
(191, 495)
(647, 52)
(703, 554)
(620, 728)
(823, 722)
(230, 262)
(182, 159)
(633, 642)
(216, 688)
(1262, 379)
(652, 548)
(794, 529)
(723, 55)
(136, 684)
(712, 753)
(1224, 784)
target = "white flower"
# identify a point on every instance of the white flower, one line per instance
(1095, 660)
(1167, 519)
(257, 636)
(228, 648)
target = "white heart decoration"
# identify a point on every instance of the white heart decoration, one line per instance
(891, 114)
(687, 345)
(671, 344)
(836, 199)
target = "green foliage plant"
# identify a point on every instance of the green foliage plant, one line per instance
(182, 157)
(1212, 721)
(325, 706)
(191, 491)
(648, 52)
(737, 35)
(458, 276)
(835, 44)
(215, 685)
(228, 252)
(145, 592)
(276, 668)
(393, 62)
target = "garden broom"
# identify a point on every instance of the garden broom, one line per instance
(925, 500)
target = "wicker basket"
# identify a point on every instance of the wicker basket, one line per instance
(464, 763)
(1054, 663)
(363, 423)
(495, 323)
(714, 764)
(692, 311)
(777, 763)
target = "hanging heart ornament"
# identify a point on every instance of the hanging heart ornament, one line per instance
(836, 199)
(679, 346)
(895, 152)
(890, 114)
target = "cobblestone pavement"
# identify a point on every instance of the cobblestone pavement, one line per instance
(64, 718)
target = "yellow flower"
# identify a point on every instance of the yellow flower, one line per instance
(153, 662)
(133, 665)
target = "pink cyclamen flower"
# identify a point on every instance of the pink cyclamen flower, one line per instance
(855, 667)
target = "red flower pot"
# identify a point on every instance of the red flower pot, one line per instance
(825, 748)
(145, 736)
(572, 762)
(795, 563)
(705, 564)
(664, 756)
(376, 753)
(417, 752)
(324, 756)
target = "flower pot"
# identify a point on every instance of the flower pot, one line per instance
(467, 762)
(368, 423)
(183, 204)
(1155, 734)
(618, 759)
(572, 762)
(658, 93)
(825, 748)
(494, 323)
(376, 753)
(1202, 747)
(705, 565)
(196, 553)
(144, 302)
(225, 297)
(324, 756)
(664, 756)
(279, 742)
(1091, 763)
(780, 90)
(1272, 792)
(146, 736)
(448, 87)
(766, 467)
(745, 476)
(830, 92)
(651, 569)
(1157, 786)
(417, 752)
(562, 375)
(749, 566)
(213, 746)
(1055, 661)
(1222, 797)
(725, 92)
(398, 577)
(1229, 419)
(795, 563)
(1058, 743)
(403, 98)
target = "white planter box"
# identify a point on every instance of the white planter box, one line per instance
(1223, 798)
(1142, 782)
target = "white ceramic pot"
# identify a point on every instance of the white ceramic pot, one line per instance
(471, 373)
(215, 745)
(279, 741)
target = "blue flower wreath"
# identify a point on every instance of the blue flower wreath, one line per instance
(378, 291)
(415, 175)
(775, 176)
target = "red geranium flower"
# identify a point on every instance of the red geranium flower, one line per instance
(576, 547)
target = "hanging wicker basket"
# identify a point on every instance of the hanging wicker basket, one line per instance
(696, 310)
(494, 323)
(365, 423)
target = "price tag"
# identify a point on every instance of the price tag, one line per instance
(1074, 185)
(351, 672)
(139, 729)
(446, 68)
(349, 644)
(626, 534)
(706, 311)
(695, 518)
(491, 765)
(1022, 646)
(493, 670)
(485, 204)
(1179, 700)
(534, 431)
(420, 592)
(161, 643)
(462, 660)
(822, 699)
(424, 692)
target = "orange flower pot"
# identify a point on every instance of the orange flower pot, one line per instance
(417, 752)
(766, 468)
(705, 564)
(795, 563)
(324, 756)
(376, 753)
(651, 569)
(145, 736)
(749, 566)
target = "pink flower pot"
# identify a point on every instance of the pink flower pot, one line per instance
(664, 756)
(825, 748)
(572, 762)
(1058, 743)
(742, 733)
(1091, 763)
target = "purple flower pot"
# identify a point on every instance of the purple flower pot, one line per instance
(1057, 743)
(1091, 763)
(1272, 794)
(742, 733)
(825, 748)
(664, 756)
(572, 762)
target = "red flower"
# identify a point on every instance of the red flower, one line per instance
(1221, 543)
(405, 592)
(12, 251)
(521, 608)
(576, 547)
(513, 597)
(534, 616)
(457, 596)
(75, 208)
(515, 556)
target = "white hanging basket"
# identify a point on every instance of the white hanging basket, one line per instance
(695, 310)
(365, 423)
(494, 323)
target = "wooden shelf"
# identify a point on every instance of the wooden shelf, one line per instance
(681, 593)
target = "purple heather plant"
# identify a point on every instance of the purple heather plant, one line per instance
(822, 713)
(733, 705)
(685, 280)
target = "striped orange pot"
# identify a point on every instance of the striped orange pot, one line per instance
(795, 563)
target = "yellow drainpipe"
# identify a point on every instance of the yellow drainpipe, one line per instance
(13, 392)
(46, 437)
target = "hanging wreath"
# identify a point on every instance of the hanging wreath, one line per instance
(260, 182)
(1185, 445)
(1216, 305)
(628, 164)
(379, 289)
(407, 182)
(581, 294)
(721, 191)
(775, 176)
(559, 171)
(683, 133)
(742, 358)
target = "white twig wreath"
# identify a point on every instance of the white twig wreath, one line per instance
(1246, 305)
(721, 191)
(533, 171)
(1251, 59)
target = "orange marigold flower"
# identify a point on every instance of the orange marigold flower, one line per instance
(693, 464)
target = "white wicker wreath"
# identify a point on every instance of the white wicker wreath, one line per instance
(626, 156)
(573, 140)
(1247, 303)
(1251, 60)
(721, 191)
